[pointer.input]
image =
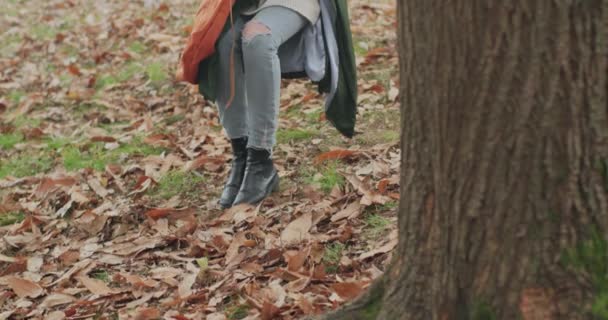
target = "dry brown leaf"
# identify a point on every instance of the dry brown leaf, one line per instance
(297, 230)
(24, 288)
(233, 250)
(243, 212)
(537, 304)
(348, 290)
(75, 268)
(57, 299)
(298, 285)
(383, 185)
(138, 281)
(48, 185)
(97, 287)
(156, 214)
(339, 154)
(148, 314)
(95, 184)
(269, 311)
(185, 286)
(305, 305)
(353, 210)
(296, 259)
(91, 222)
(369, 196)
(383, 249)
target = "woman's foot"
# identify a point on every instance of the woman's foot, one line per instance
(261, 178)
(237, 172)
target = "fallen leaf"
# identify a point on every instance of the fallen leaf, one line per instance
(348, 290)
(382, 185)
(57, 299)
(353, 210)
(97, 187)
(383, 249)
(55, 315)
(24, 288)
(243, 212)
(97, 287)
(339, 154)
(148, 314)
(296, 259)
(537, 304)
(297, 230)
(269, 311)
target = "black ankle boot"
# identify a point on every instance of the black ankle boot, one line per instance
(261, 178)
(235, 178)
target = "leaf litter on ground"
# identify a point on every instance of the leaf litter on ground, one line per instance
(110, 171)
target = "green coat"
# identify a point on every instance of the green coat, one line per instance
(342, 110)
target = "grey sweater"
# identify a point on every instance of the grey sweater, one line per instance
(310, 9)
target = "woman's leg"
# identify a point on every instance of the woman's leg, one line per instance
(233, 117)
(261, 39)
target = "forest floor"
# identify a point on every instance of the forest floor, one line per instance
(110, 173)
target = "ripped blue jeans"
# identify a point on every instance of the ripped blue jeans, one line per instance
(254, 110)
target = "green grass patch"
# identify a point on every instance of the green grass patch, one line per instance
(174, 119)
(102, 275)
(156, 72)
(15, 96)
(9, 140)
(128, 71)
(95, 156)
(9, 218)
(113, 126)
(56, 143)
(23, 121)
(10, 44)
(590, 258)
(294, 135)
(361, 47)
(379, 126)
(314, 116)
(105, 81)
(42, 31)
(332, 256)
(482, 311)
(376, 225)
(138, 47)
(389, 136)
(237, 312)
(25, 165)
(391, 205)
(186, 184)
(69, 50)
(327, 177)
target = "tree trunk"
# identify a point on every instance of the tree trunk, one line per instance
(504, 181)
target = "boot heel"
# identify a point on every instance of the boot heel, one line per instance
(276, 187)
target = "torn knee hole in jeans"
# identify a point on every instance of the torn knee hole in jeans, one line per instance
(255, 28)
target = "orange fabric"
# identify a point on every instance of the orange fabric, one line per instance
(208, 25)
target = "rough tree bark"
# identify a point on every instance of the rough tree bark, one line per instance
(505, 162)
